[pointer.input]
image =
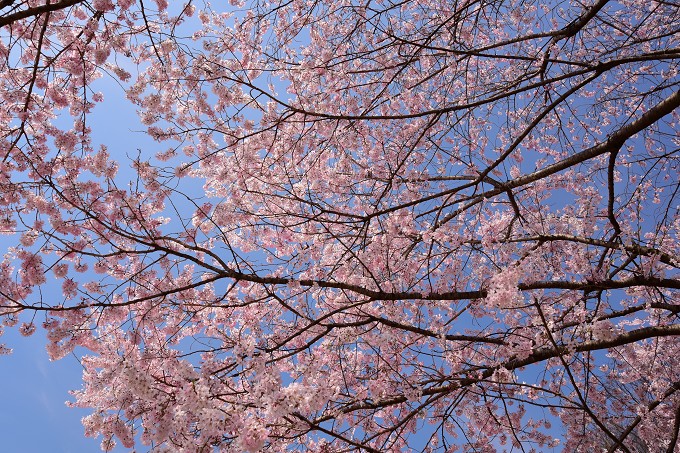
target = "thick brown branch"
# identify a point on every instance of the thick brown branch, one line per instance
(539, 355)
(37, 10)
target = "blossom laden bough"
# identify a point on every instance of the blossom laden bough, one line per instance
(365, 226)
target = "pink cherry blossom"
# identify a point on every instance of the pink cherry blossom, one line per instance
(424, 226)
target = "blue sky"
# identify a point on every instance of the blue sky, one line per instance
(34, 417)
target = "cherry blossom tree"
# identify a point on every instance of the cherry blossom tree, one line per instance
(363, 226)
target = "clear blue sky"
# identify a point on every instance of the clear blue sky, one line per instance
(33, 414)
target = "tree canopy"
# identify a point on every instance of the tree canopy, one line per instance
(364, 225)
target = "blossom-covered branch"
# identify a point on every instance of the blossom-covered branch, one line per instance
(350, 226)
